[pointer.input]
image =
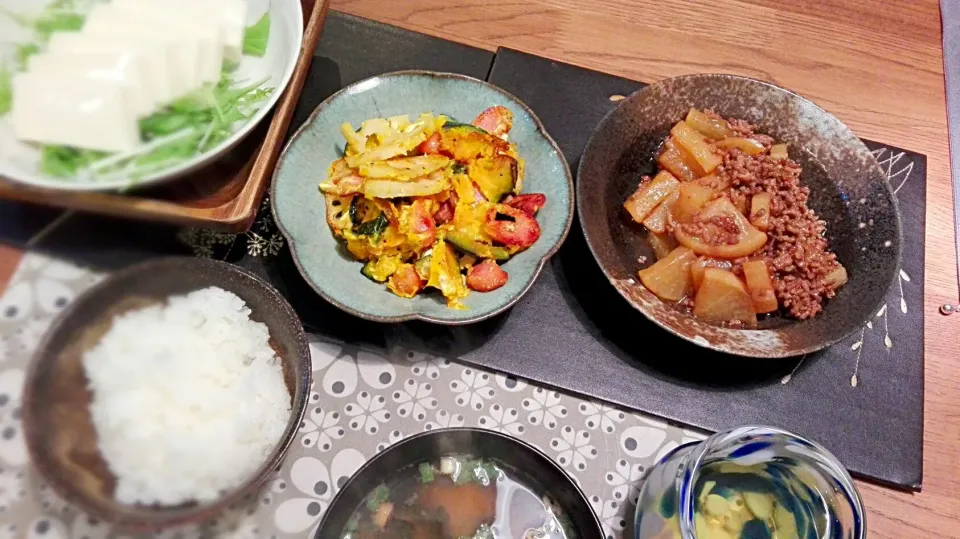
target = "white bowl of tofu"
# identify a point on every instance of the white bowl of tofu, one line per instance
(121, 94)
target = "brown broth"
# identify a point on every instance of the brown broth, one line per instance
(476, 500)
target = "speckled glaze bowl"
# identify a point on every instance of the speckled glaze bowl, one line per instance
(300, 213)
(848, 190)
(58, 429)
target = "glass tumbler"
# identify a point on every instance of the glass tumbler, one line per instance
(804, 474)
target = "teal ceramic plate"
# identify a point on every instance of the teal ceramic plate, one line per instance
(299, 210)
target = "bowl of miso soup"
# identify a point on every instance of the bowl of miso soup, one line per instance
(751, 482)
(460, 483)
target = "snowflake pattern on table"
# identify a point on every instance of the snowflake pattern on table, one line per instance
(329, 449)
(49, 501)
(13, 488)
(425, 364)
(444, 420)
(510, 383)
(368, 412)
(625, 480)
(47, 528)
(500, 419)
(239, 521)
(573, 447)
(6, 350)
(246, 527)
(187, 531)
(393, 437)
(268, 246)
(602, 415)
(206, 243)
(612, 515)
(473, 388)
(263, 240)
(41, 288)
(670, 445)
(641, 441)
(415, 399)
(13, 449)
(43, 291)
(89, 528)
(339, 369)
(319, 427)
(544, 407)
(315, 484)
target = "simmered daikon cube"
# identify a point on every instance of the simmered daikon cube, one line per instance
(760, 285)
(669, 278)
(693, 142)
(722, 297)
(760, 206)
(648, 195)
(715, 128)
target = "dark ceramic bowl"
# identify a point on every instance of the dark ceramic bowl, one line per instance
(519, 460)
(59, 433)
(848, 190)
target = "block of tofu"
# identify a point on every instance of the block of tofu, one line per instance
(73, 110)
(155, 56)
(183, 21)
(104, 20)
(232, 15)
(126, 68)
(233, 23)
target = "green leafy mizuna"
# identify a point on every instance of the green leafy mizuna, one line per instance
(255, 37)
(58, 16)
(6, 90)
(184, 129)
(178, 132)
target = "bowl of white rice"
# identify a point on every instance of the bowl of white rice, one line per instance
(166, 393)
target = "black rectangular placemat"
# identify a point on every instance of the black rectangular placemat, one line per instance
(572, 330)
(574, 318)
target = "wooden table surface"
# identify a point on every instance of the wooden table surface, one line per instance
(876, 64)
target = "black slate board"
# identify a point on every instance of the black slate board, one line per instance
(612, 352)
(572, 330)
(19, 223)
(352, 49)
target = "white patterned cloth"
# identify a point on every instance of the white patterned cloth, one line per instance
(362, 402)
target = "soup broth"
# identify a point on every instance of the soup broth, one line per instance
(459, 497)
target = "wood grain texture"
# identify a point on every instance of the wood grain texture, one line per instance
(9, 260)
(224, 195)
(877, 65)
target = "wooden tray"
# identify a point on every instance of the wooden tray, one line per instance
(223, 196)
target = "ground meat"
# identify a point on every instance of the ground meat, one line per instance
(796, 251)
(766, 140)
(716, 230)
(742, 128)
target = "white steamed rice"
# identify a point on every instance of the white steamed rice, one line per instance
(188, 398)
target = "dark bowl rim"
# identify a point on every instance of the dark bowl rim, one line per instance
(568, 174)
(527, 447)
(780, 352)
(197, 512)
